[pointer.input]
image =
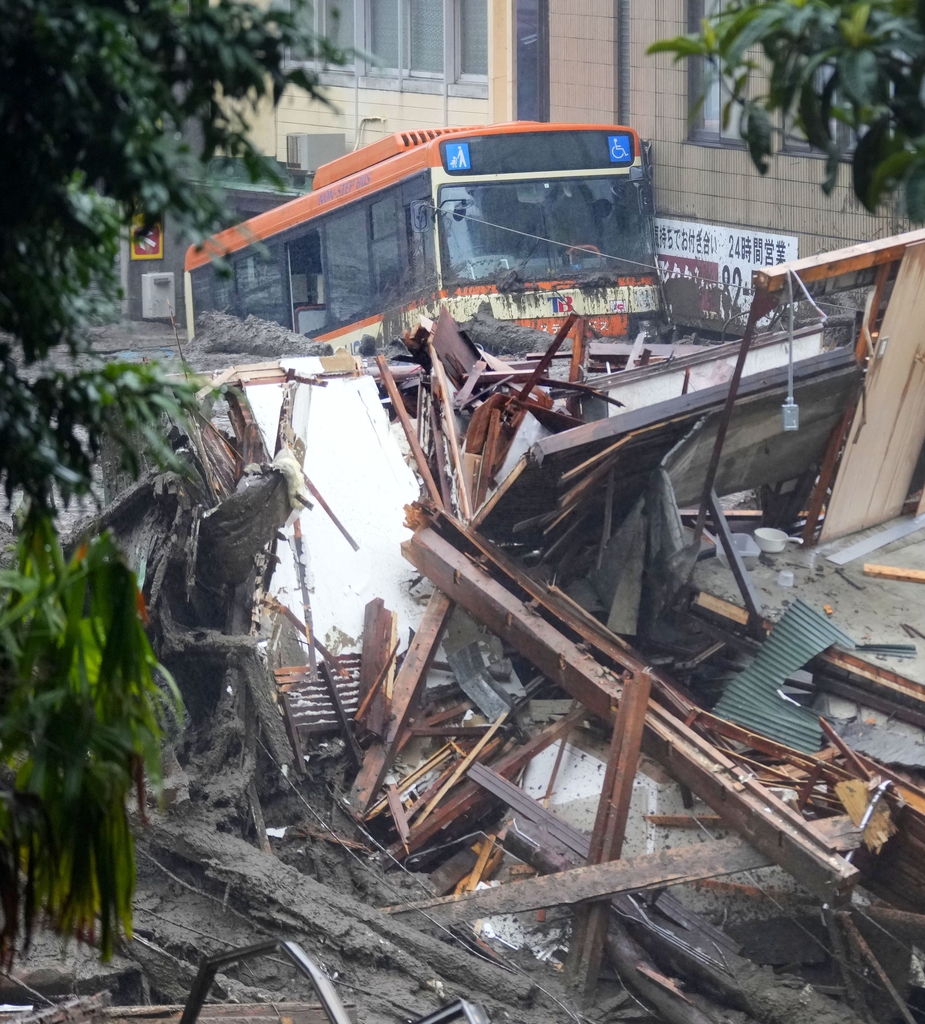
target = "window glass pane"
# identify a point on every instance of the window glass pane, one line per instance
(347, 251)
(473, 37)
(386, 250)
(417, 202)
(532, 45)
(425, 35)
(577, 229)
(259, 285)
(338, 22)
(306, 277)
(383, 32)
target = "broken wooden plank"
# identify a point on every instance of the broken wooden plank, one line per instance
(732, 791)
(438, 378)
(596, 881)
(742, 577)
(589, 929)
(462, 766)
(472, 379)
(410, 435)
(889, 572)
(410, 679)
(470, 796)
(398, 812)
(377, 630)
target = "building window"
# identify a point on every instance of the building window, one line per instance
(844, 137)
(472, 36)
(532, 53)
(415, 33)
(336, 17)
(704, 85)
(333, 19)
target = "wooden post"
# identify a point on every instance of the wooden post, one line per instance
(826, 473)
(408, 682)
(590, 927)
(438, 377)
(579, 348)
(762, 303)
(399, 406)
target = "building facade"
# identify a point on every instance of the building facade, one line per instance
(435, 63)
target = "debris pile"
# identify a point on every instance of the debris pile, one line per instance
(511, 700)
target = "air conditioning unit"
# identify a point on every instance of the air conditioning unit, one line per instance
(308, 152)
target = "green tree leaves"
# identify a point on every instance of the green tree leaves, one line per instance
(107, 108)
(835, 69)
(82, 702)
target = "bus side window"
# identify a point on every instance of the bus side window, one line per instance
(388, 261)
(347, 261)
(259, 285)
(306, 284)
(419, 231)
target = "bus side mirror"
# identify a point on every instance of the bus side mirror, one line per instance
(421, 215)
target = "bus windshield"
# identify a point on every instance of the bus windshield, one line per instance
(514, 232)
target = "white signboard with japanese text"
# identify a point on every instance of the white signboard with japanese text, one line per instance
(720, 259)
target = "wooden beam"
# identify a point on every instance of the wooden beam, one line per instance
(596, 881)
(408, 683)
(462, 766)
(889, 572)
(541, 366)
(590, 927)
(840, 262)
(860, 944)
(744, 804)
(471, 796)
(411, 436)
(398, 813)
(761, 304)
(438, 378)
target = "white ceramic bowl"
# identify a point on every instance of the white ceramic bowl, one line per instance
(774, 541)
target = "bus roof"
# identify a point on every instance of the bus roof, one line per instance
(378, 165)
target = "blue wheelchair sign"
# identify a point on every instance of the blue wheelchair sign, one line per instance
(620, 148)
(457, 156)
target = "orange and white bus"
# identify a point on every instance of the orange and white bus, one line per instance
(539, 220)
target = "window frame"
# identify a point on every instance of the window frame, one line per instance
(696, 75)
(452, 74)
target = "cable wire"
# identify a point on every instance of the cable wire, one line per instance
(652, 267)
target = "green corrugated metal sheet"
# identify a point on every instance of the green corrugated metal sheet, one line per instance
(753, 698)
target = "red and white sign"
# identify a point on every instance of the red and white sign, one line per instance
(147, 245)
(722, 254)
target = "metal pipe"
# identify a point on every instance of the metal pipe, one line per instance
(622, 60)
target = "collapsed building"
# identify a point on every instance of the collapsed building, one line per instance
(505, 682)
